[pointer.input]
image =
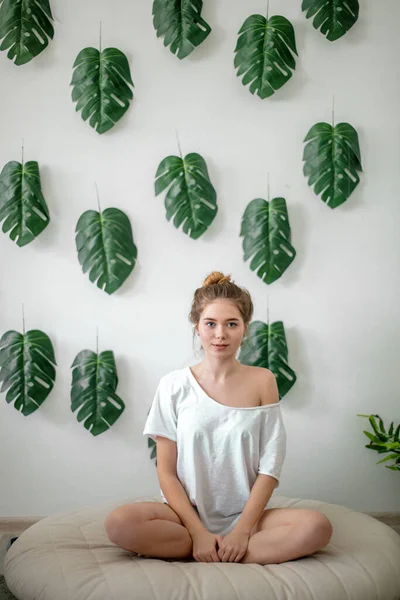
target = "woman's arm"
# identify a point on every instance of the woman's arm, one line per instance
(172, 487)
(259, 496)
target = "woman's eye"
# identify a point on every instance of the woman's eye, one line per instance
(210, 323)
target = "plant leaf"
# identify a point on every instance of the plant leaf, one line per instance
(264, 53)
(332, 161)
(94, 381)
(26, 369)
(105, 246)
(181, 24)
(25, 27)
(390, 457)
(191, 199)
(22, 204)
(101, 86)
(379, 435)
(265, 346)
(266, 238)
(333, 18)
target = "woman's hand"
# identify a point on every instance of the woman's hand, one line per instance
(204, 546)
(234, 546)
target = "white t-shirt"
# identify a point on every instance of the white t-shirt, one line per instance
(220, 449)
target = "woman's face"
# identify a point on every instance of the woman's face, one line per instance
(221, 328)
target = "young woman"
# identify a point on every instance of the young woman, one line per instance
(221, 444)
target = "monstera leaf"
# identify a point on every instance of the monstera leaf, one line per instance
(332, 161)
(26, 28)
(333, 17)
(264, 53)
(265, 346)
(181, 24)
(22, 204)
(191, 198)
(105, 246)
(26, 369)
(266, 238)
(94, 381)
(153, 446)
(101, 87)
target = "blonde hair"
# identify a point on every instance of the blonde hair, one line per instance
(218, 286)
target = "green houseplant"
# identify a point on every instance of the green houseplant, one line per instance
(384, 442)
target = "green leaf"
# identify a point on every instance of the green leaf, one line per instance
(152, 444)
(266, 238)
(265, 346)
(333, 17)
(379, 435)
(26, 369)
(390, 457)
(370, 436)
(26, 28)
(94, 381)
(332, 161)
(105, 247)
(393, 446)
(101, 86)
(22, 205)
(191, 199)
(264, 53)
(181, 24)
(380, 448)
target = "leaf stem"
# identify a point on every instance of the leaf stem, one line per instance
(23, 319)
(333, 111)
(100, 37)
(98, 197)
(22, 151)
(97, 340)
(268, 185)
(179, 146)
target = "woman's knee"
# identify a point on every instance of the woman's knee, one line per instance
(122, 518)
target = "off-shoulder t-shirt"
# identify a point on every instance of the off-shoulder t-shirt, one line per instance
(220, 449)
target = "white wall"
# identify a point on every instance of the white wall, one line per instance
(338, 300)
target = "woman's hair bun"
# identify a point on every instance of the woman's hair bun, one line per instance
(216, 277)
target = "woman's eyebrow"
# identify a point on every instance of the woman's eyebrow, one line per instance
(210, 319)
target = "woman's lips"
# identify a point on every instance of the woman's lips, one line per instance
(220, 346)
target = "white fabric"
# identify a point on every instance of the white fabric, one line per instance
(221, 449)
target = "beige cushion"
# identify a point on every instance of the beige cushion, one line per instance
(69, 557)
